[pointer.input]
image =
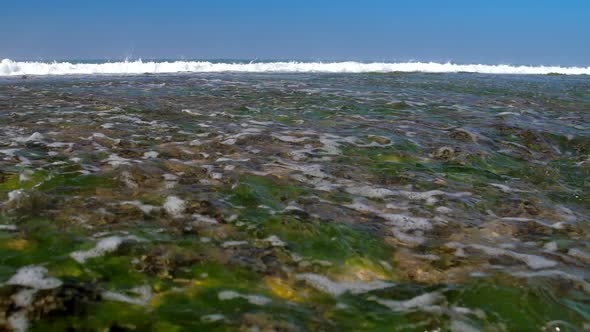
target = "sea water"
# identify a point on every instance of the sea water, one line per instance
(345, 196)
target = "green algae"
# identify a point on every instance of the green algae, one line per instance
(326, 240)
(13, 181)
(50, 180)
(253, 191)
(38, 241)
(77, 182)
(522, 309)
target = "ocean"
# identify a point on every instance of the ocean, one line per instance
(291, 196)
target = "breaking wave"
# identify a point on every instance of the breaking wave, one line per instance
(14, 68)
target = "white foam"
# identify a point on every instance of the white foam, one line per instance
(557, 225)
(418, 302)
(35, 137)
(229, 244)
(407, 223)
(415, 195)
(551, 246)
(313, 170)
(103, 136)
(203, 219)
(15, 194)
(191, 112)
(8, 228)
(253, 299)
(143, 296)
(461, 326)
(103, 246)
(212, 318)
(12, 68)
(290, 139)
(24, 297)
(507, 189)
(257, 299)
(174, 206)
(275, 241)
(533, 261)
(402, 224)
(150, 155)
(443, 210)
(25, 175)
(371, 192)
(145, 208)
(18, 321)
(34, 277)
(115, 160)
(324, 284)
(375, 192)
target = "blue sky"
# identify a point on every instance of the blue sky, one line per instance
(476, 31)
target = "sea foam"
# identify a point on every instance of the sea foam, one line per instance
(12, 68)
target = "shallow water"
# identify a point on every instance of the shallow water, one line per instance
(329, 202)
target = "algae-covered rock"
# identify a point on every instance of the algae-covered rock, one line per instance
(462, 134)
(444, 152)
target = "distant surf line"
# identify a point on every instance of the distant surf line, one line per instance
(18, 68)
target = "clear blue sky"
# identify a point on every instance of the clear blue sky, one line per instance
(475, 31)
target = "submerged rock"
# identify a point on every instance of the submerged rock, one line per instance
(463, 135)
(444, 152)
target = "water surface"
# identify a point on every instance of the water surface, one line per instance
(295, 202)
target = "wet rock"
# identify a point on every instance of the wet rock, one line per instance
(444, 152)
(462, 134)
(533, 141)
(23, 203)
(409, 267)
(517, 207)
(141, 177)
(529, 230)
(379, 139)
(495, 229)
(193, 176)
(70, 299)
(168, 261)
(400, 105)
(265, 323)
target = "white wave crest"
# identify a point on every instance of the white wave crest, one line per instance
(13, 68)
